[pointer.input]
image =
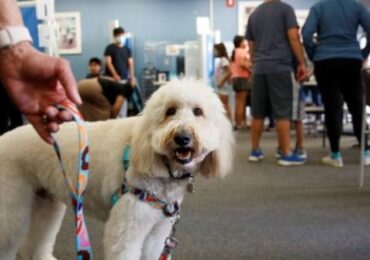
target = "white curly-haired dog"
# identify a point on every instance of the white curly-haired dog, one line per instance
(183, 129)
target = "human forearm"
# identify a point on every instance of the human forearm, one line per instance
(116, 108)
(298, 51)
(112, 70)
(296, 45)
(9, 13)
(131, 68)
(226, 78)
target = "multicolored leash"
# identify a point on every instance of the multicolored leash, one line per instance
(84, 250)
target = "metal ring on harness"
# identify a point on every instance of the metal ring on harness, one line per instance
(171, 209)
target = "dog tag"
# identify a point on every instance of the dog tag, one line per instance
(190, 186)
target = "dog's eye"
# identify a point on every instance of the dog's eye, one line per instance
(171, 111)
(198, 111)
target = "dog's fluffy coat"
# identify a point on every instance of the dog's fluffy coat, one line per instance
(33, 195)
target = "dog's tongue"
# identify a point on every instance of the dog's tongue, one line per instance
(183, 155)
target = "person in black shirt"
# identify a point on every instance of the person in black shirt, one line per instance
(102, 98)
(118, 59)
(94, 67)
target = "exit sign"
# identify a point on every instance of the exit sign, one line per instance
(230, 3)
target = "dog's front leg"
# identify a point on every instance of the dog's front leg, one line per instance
(129, 223)
(155, 241)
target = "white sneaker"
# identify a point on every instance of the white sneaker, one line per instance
(332, 162)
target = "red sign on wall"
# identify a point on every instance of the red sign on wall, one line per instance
(230, 3)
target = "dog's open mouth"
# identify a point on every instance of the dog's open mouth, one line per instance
(184, 155)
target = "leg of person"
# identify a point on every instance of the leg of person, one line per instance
(327, 76)
(240, 87)
(245, 116)
(299, 134)
(280, 88)
(260, 108)
(225, 101)
(283, 134)
(256, 133)
(299, 148)
(95, 106)
(353, 94)
(240, 99)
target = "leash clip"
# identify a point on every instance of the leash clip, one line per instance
(190, 185)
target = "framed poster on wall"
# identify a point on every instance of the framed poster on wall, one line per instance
(245, 9)
(69, 32)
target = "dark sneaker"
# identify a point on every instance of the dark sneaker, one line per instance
(256, 155)
(292, 159)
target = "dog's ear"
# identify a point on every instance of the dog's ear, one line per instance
(142, 153)
(219, 162)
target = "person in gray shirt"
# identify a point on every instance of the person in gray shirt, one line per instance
(274, 40)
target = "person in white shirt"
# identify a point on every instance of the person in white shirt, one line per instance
(222, 76)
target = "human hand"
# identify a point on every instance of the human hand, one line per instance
(133, 82)
(365, 63)
(117, 77)
(301, 72)
(36, 83)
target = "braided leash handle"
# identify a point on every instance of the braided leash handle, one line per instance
(83, 245)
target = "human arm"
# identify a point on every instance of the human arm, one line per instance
(131, 66)
(117, 106)
(241, 59)
(112, 70)
(34, 81)
(365, 23)
(297, 48)
(226, 78)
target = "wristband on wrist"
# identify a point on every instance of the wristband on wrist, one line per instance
(12, 35)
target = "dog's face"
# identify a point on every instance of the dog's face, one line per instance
(184, 128)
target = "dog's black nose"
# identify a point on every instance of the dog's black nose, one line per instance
(182, 139)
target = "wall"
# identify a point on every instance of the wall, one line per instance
(169, 20)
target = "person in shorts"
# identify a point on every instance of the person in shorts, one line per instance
(273, 37)
(240, 68)
(102, 98)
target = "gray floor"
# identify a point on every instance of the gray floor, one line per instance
(263, 211)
